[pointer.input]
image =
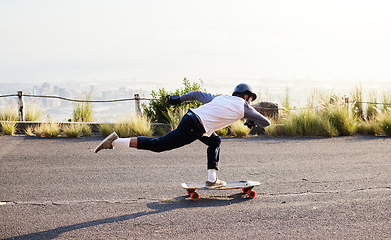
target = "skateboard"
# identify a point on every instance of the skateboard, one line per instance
(246, 187)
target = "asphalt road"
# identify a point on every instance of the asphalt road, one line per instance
(312, 188)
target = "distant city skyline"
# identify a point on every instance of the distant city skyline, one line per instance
(299, 94)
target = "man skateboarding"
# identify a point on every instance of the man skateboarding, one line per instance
(201, 123)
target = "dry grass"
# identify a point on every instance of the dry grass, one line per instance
(384, 122)
(51, 130)
(238, 129)
(9, 112)
(8, 128)
(175, 116)
(29, 131)
(135, 126)
(34, 112)
(83, 111)
(106, 128)
(72, 130)
(223, 132)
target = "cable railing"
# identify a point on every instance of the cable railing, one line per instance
(138, 100)
(78, 100)
(20, 96)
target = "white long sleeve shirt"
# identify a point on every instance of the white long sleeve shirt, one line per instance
(222, 110)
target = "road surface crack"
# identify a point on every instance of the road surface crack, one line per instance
(46, 203)
(328, 192)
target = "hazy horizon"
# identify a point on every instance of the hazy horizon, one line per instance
(162, 42)
(300, 93)
(146, 45)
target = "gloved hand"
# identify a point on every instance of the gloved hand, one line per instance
(173, 100)
(250, 124)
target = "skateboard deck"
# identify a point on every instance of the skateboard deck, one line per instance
(246, 187)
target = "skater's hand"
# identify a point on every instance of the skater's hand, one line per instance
(173, 100)
(250, 124)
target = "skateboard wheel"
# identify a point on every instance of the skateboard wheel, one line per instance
(251, 194)
(245, 190)
(194, 196)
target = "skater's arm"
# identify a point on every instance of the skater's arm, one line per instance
(197, 96)
(258, 118)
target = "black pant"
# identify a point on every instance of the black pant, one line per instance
(187, 132)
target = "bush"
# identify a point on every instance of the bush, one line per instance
(157, 109)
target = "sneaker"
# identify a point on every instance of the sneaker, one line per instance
(107, 142)
(216, 184)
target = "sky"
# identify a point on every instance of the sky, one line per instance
(155, 43)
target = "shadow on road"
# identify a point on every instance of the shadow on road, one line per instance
(156, 207)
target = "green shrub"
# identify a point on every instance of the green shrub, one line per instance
(157, 109)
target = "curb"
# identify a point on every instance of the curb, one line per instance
(22, 126)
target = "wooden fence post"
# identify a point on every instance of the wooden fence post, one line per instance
(137, 103)
(347, 103)
(20, 105)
